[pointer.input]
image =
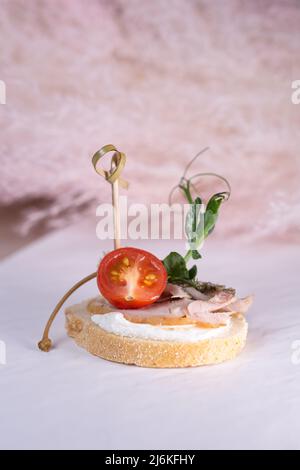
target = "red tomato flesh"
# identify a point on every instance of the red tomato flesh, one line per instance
(131, 278)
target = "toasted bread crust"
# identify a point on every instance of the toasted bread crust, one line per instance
(149, 353)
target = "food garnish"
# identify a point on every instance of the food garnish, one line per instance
(200, 223)
(131, 278)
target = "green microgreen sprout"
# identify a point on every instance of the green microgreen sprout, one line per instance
(199, 224)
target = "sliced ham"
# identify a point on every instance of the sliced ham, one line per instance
(212, 320)
(217, 310)
(205, 311)
(173, 291)
(171, 308)
(240, 305)
(217, 302)
(196, 294)
(178, 308)
(199, 311)
(221, 299)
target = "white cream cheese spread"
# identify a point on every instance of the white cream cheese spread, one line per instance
(115, 322)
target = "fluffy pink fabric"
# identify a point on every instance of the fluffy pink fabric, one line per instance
(161, 80)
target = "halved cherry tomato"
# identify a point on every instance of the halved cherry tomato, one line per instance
(131, 278)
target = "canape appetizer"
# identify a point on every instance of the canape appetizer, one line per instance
(156, 313)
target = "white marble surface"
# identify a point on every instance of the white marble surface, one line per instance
(70, 399)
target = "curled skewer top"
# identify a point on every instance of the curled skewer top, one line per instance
(117, 165)
(184, 180)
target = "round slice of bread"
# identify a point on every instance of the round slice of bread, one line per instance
(146, 352)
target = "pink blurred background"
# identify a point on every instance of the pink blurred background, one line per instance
(160, 80)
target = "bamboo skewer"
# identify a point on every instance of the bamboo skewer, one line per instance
(46, 343)
(116, 214)
(113, 177)
(116, 209)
